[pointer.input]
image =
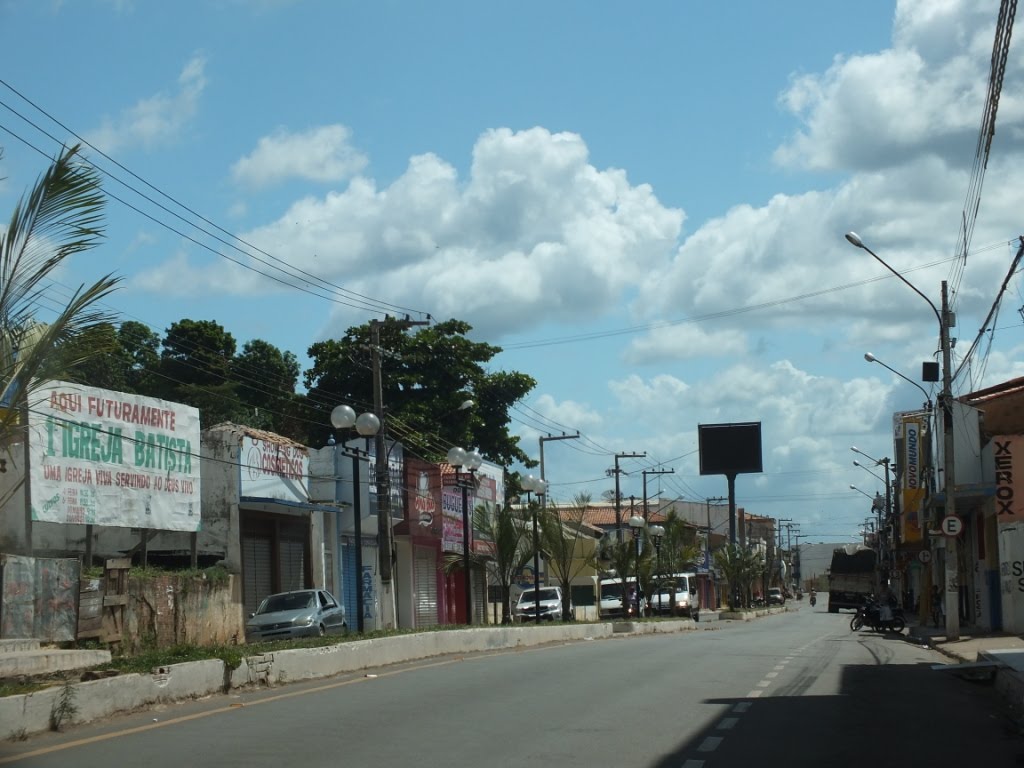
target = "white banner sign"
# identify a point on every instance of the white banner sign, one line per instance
(274, 470)
(108, 458)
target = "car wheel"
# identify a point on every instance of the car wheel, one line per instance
(321, 630)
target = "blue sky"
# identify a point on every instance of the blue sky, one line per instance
(662, 189)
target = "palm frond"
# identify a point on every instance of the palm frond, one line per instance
(59, 218)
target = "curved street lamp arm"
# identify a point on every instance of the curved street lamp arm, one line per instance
(853, 238)
(874, 359)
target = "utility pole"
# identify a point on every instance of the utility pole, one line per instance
(618, 500)
(545, 438)
(382, 474)
(647, 472)
(712, 587)
(784, 522)
(948, 474)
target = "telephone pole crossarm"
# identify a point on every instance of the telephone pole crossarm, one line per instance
(618, 499)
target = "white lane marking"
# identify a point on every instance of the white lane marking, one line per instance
(779, 667)
(764, 683)
(771, 674)
(741, 706)
(710, 744)
(728, 723)
(693, 764)
(754, 694)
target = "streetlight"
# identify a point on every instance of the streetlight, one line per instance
(469, 461)
(949, 465)
(656, 532)
(537, 485)
(366, 424)
(637, 523)
(866, 469)
(927, 398)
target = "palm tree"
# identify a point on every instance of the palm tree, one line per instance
(679, 550)
(740, 566)
(622, 556)
(60, 217)
(562, 539)
(510, 539)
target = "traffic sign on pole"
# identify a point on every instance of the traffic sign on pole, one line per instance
(951, 525)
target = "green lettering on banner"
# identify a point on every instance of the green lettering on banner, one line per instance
(91, 442)
(156, 451)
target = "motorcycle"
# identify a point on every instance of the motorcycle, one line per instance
(813, 600)
(869, 613)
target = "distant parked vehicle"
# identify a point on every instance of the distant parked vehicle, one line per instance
(775, 596)
(301, 613)
(550, 599)
(676, 596)
(610, 601)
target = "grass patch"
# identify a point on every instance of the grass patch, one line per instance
(22, 687)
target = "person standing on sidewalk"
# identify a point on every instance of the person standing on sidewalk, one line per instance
(936, 606)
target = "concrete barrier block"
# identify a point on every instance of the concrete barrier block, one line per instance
(25, 714)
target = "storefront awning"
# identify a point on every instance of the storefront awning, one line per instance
(285, 507)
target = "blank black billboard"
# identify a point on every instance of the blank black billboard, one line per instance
(730, 449)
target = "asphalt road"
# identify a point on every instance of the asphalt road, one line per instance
(795, 689)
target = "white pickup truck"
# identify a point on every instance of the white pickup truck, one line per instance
(550, 600)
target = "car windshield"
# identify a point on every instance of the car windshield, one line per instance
(292, 601)
(541, 594)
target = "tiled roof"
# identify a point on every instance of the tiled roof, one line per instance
(1010, 387)
(603, 515)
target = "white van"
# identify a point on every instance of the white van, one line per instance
(676, 596)
(609, 599)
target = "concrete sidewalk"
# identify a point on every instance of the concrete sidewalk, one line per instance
(998, 652)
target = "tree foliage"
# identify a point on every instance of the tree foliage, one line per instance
(740, 567)
(425, 376)
(59, 218)
(563, 540)
(510, 537)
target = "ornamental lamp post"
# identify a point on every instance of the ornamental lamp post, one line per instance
(656, 532)
(637, 523)
(536, 485)
(469, 461)
(343, 417)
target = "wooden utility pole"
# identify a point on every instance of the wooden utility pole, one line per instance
(382, 473)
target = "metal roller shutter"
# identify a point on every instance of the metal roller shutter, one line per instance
(425, 564)
(257, 566)
(293, 560)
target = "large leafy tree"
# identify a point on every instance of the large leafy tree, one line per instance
(109, 366)
(140, 347)
(195, 369)
(266, 379)
(425, 376)
(59, 218)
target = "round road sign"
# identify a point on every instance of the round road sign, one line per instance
(952, 525)
(925, 556)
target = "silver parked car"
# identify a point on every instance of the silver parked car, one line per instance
(302, 613)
